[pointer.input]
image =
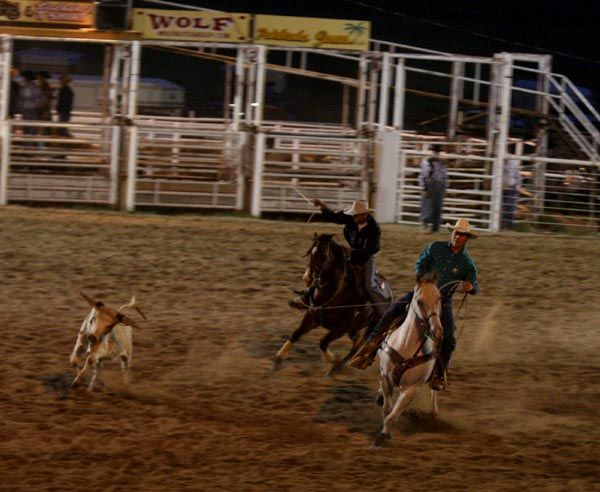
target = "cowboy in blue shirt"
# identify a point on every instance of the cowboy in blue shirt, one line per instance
(454, 266)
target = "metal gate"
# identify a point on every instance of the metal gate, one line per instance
(334, 168)
(66, 163)
(188, 163)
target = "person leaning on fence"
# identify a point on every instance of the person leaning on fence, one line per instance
(433, 180)
(363, 234)
(454, 265)
(64, 104)
(45, 102)
(15, 87)
(29, 101)
(511, 186)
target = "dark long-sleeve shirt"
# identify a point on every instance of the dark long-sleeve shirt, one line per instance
(364, 242)
(64, 102)
(450, 267)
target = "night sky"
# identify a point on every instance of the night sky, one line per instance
(569, 30)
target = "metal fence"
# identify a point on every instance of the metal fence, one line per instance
(470, 188)
(292, 165)
(66, 162)
(559, 196)
(191, 163)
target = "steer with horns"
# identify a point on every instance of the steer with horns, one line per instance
(105, 334)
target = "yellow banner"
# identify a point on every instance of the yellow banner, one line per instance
(191, 25)
(312, 33)
(42, 12)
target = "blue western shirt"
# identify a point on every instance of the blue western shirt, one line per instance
(449, 266)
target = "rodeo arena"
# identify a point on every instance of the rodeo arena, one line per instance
(195, 239)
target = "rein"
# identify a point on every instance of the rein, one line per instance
(402, 364)
(317, 283)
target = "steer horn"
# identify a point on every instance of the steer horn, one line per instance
(126, 320)
(88, 298)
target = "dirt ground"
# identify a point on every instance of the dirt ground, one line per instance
(521, 413)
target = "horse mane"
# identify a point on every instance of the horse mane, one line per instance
(428, 278)
(339, 251)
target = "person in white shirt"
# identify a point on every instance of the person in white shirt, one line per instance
(511, 185)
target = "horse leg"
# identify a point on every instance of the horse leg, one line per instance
(385, 394)
(337, 367)
(330, 336)
(306, 325)
(405, 398)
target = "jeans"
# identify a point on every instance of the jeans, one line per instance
(375, 295)
(509, 203)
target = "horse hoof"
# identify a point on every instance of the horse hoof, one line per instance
(335, 370)
(274, 368)
(379, 400)
(380, 440)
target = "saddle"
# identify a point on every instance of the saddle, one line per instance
(438, 379)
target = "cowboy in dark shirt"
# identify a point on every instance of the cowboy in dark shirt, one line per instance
(363, 235)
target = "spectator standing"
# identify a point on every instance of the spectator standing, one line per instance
(64, 104)
(433, 180)
(14, 93)
(46, 100)
(29, 101)
(511, 186)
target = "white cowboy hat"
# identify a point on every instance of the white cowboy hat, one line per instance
(462, 225)
(358, 207)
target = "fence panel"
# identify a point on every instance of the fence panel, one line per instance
(188, 163)
(559, 196)
(469, 192)
(63, 163)
(332, 168)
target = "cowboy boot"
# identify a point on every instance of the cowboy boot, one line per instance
(366, 354)
(304, 299)
(299, 303)
(439, 376)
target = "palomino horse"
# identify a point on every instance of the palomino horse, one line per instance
(407, 357)
(338, 300)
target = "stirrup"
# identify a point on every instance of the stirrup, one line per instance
(439, 382)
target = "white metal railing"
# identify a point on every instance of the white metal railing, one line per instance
(332, 168)
(62, 162)
(571, 107)
(559, 195)
(188, 164)
(469, 192)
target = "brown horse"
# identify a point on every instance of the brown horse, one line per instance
(340, 303)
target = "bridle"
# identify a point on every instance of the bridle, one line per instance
(424, 320)
(316, 272)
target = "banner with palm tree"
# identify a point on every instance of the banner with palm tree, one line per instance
(311, 32)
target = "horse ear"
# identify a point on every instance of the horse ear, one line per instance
(315, 237)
